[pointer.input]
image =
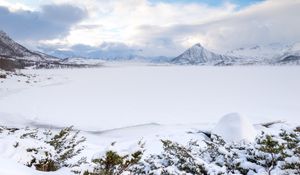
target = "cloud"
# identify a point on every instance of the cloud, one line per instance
(154, 29)
(49, 22)
(272, 21)
(106, 50)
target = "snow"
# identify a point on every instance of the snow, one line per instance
(260, 51)
(233, 128)
(13, 168)
(10, 167)
(116, 97)
(269, 52)
(126, 104)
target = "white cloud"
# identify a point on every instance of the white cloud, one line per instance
(263, 23)
(121, 21)
(169, 28)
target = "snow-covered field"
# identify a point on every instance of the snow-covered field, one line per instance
(114, 97)
(130, 103)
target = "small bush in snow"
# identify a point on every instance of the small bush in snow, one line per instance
(66, 145)
(269, 154)
(113, 163)
(178, 159)
(291, 152)
(276, 153)
(2, 76)
(44, 150)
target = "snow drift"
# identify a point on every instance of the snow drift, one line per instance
(234, 127)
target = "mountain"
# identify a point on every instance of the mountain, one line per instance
(271, 54)
(15, 56)
(104, 55)
(289, 59)
(11, 49)
(198, 55)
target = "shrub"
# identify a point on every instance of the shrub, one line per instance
(10, 64)
(268, 153)
(178, 159)
(291, 152)
(66, 145)
(112, 163)
(45, 150)
(2, 75)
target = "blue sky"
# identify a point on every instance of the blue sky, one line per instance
(241, 3)
(209, 2)
(149, 27)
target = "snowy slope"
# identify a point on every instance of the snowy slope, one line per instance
(11, 49)
(274, 53)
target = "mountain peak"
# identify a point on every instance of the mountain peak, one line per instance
(11, 49)
(198, 45)
(4, 35)
(197, 54)
(2, 32)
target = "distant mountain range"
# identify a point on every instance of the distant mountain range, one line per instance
(273, 54)
(105, 55)
(13, 54)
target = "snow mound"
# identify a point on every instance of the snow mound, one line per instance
(234, 127)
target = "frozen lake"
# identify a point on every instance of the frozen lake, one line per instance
(113, 97)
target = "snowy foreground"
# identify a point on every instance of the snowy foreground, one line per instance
(128, 104)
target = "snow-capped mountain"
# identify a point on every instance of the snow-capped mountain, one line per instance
(15, 56)
(105, 55)
(272, 54)
(197, 54)
(11, 49)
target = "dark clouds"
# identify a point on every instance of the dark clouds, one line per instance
(51, 21)
(107, 50)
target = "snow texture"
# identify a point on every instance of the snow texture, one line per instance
(234, 127)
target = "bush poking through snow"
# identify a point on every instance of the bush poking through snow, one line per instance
(59, 148)
(2, 75)
(43, 149)
(291, 152)
(65, 144)
(270, 154)
(175, 159)
(112, 163)
(178, 159)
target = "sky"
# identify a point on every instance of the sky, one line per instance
(148, 27)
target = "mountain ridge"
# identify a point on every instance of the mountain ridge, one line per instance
(15, 56)
(274, 54)
(197, 54)
(256, 55)
(11, 49)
